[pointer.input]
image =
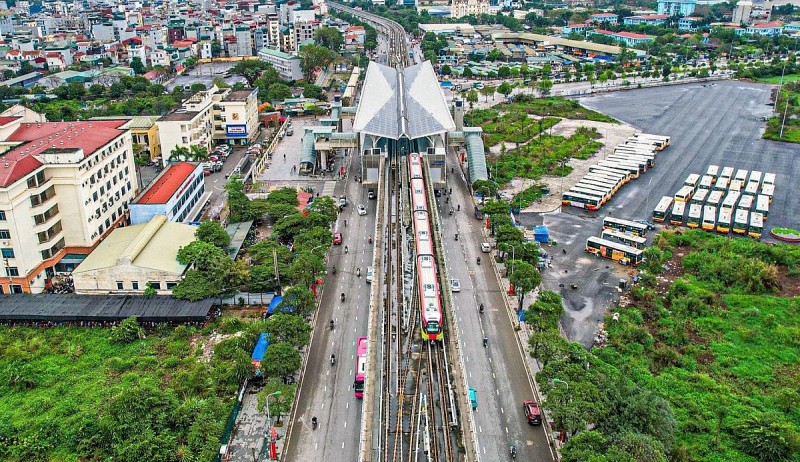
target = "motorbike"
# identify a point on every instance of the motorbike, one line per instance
(331, 324)
(513, 452)
(333, 360)
(334, 269)
(481, 308)
(358, 272)
(485, 342)
(456, 236)
(313, 423)
(369, 239)
(346, 249)
(342, 296)
(479, 260)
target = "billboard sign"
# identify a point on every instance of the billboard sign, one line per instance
(236, 131)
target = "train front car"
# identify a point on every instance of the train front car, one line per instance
(428, 283)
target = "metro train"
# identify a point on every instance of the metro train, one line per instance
(429, 300)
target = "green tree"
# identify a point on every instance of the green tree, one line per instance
(288, 328)
(314, 57)
(137, 66)
(297, 300)
(281, 360)
(278, 92)
(545, 313)
(525, 278)
(504, 72)
(466, 73)
(472, 98)
(251, 70)
(305, 268)
(149, 290)
(198, 153)
(238, 202)
(505, 89)
(279, 403)
(313, 91)
(197, 87)
(329, 37)
(768, 437)
(545, 86)
(213, 233)
(127, 331)
(179, 153)
(96, 90)
(446, 70)
(487, 91)
(484, 188)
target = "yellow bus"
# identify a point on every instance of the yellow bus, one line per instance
(762, 205)
(735, 187)
(706, 182)
(676, 215)
(692, 180)
(626, 238)
(684, 194)
(740, 221)
(581, 201)
(724, 221)
(741, 176)
(622, 253)
(713, 172)
(751, 188)
(730, 200)
(768, 190)
(695, 215)
(755, 177)
(715, 198)
(611, 171)
(626, 226)
(756, 225)
(769, 178)
(709, 218)
(662, 209)
(699, 196)
(746, 202)
(724, 179)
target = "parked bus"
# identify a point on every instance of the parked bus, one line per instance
(713, 171)
(746, 202)
(660, 141)
(762, 205)
(755, 177)
(584, 189)
(706, 182)
(642, 163)
(724, 221)
(611, 171)
(614, 184)
(726, 175)
(591, 184)
(692, 180)
(662, 209)
(618, 178)
(676, 215)
(622, 253)
(695, 215)
(751, 188)
(756, 225)
(740, 221)
(581, 201)
(709, 218)
(722, 183)
(361, 366)
(769, 178)
(768, 190)
(741, 176)
(684, 194)
(626, 226)
(735, 187)
(650, 155)
(715, 198)
(633, 170)
(730, 200)
(699, 197)
(632, 240)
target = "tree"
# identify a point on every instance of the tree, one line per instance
(278, 92)
(313, 91)
(313, 57)
(484, 188)
(251, 70)
(545, 86)
(767, 437)
(505, 89)
(545, 313)
(137, 66)
(466, 73)
(127, 331)
(279, 403)
(504, 72)
(472, 98)
(96, 90)
(297, 300)
(446, 70)
(288, 328)
(525, 278)
(487, 91)
(213, 233)
(149, 290)
(305, 268)
(197, 87)
(281, 360)
(238, 202)
(198, 153)
(179, 153)
(329, 37)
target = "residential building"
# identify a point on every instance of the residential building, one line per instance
(173, 194)
(629, 38)
(650, 20)
(144, 132)
(354, 37)
(302, 32)
(600, 18)
(575, 28)
(6, 23)
(288, 66)
(461, 8)
(792, 27)
(689, 23)
(24, 81)
(676, 7)
(767, 28)
(742, 11)
(63, 187)
(236, 116)
(134, 257)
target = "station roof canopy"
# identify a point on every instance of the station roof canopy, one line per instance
(405, 103)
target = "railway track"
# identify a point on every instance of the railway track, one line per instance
(394, 32)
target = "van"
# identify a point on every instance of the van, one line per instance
(369, 275)
(485, 247)
(473, 398)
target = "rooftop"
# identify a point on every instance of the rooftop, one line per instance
(167, 183)
(35, 138)
(278, 54)
(183, 116)
(623, 34)
(238, 96)
(134, 122)
(152, 245)
(767, 25)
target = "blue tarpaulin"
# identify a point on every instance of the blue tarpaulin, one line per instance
(261, 347)
(541, 234)
(276, 300)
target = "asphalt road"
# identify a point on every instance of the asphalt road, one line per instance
(498, 372)
(716, 123)
(327, 391)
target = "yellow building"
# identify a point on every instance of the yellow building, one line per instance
(144, 131)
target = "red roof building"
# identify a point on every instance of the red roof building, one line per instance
(174, 193)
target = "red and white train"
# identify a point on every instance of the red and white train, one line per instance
(429, 300)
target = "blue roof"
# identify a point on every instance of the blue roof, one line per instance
(261, 347)
(276, 300)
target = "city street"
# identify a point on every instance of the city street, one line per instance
(498, 372)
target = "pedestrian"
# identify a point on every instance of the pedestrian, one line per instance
(284, 157)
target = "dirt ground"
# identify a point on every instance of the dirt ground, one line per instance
(611, 136)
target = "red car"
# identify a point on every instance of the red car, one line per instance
(532, 412)
(337, 238)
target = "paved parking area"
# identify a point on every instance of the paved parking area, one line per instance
(205, 74)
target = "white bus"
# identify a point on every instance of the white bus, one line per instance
(626, 238)
(735, 186)
(692, 180)
(740, 221)
(751, 188)
(591, 182)
(642, 163)
(581, 200)
(612, 171)
(684, 194)
(724, 179)
(724, 221)
(695, 215)
(706, 182)
(755, 177)
(614, 182)
(713, 171)
(622, 253)
(741, 176)
(699, 196)
(676, 215)
(746, 202)
(709, 218)
(715, 198)
(756, 225)
(626, 167)
(762, 205)
(768, 190)
(625, 226)
(769, 178)
(730, 200)
(662, 209)
(660, 141)
(603, 195)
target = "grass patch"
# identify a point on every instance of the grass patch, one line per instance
(786, 231)
(776, 79)
(528, 196)
(510, 127)
(788, 115)
(72, 393)
(555, 106)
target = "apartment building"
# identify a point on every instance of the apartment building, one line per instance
(64, 186)
(629, 38)
(173, 193)
(288, 66)
(676, 7)
(600, 18)
(236, 116)
(649, 19)
(461, 8)
(302, 31)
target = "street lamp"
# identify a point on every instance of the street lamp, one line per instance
(513, 253)
(269, 418)
(557, 380)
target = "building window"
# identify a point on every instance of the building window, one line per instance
(7, 253)
(155, 284)
(12, 271)
(5, 234)
(2, 215)
(135, 285)
(120, 286)
(171, 285)
(16, 289)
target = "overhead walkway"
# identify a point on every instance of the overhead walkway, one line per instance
(308, 156)
(471, 139)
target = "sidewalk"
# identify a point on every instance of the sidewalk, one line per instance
(251, 434)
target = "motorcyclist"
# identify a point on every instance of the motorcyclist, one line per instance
(369, 239)
(314, 422)
(481, 308)
(513, 451)
(333, 359)
(334, 269)
(331, 324)
(342, 296)
(358, 272)
(485, 342)
(345, 223)
(479, 260)
(346, 249)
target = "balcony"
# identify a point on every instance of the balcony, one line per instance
(43, 198)
(44, 220)
(46, 237)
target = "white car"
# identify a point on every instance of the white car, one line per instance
(455, 285)
(361, 210)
